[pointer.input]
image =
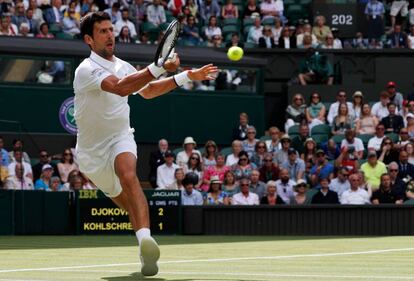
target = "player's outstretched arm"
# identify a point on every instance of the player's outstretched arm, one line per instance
(160, 87)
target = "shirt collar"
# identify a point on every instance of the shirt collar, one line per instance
(101, 61)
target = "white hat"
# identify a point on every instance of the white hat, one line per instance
(300, 182)
(215, 179)
(409, 115)
(47, 166)
(188, 140)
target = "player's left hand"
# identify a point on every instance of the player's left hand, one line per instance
(172, 64)
(207, 72)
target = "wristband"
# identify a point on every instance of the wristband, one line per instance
(181, 78)
(155, 70)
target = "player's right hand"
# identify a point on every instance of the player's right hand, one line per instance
(207, 72)
(173, 63)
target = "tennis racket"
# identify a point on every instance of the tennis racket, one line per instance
(167, 44)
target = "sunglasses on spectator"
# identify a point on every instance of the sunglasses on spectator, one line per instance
(250, 133)
(393, 170)
(404, 133)
(298, 99)
(261, 146)
(267, 160)
(195, 158)
(243, 159)
(315, 97)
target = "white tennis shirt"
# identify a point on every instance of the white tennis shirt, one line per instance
(100, 116)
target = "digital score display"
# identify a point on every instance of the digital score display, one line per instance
(97, 214)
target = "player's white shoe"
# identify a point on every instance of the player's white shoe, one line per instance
(150, 253)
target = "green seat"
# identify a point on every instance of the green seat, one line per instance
(294, 130)
(177, 150)
(231, 22)
(361, 161)
(170, 18)
(268, 21)
(149, 27)
(338, 138)
(309, 195)
(63, 35)
(265, 138)
(303, 2)
(394, 137)
(289, 2)
(409, 202)
(319, 139)
(238, 2)
(229, 29)
(323, 129)
(295, 12)
(164, 25)
(248, 21)
(249, 45)
(33, 161)
(365, 138)
(201, 149)
(226, 151)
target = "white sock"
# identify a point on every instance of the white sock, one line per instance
(141, 233)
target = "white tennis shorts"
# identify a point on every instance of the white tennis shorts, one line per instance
(99, 166)
(399, 6)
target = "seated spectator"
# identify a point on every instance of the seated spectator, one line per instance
(235, 41)
(359, 42)
(385, 194)
(37, 14)
(380, 109)
(209, 155)
(405, 169)
(354, 195)
(331, 149)
(294, 165)
(190, 32)
(337, 43)
(267, 39)
(193, 7)
(307, 31)
(44, 31)
(373, 169)
(331, 43)
(341, 183)
(24, 30)
(156, 13)
(269, 170)
(410, 38)
(18, 145)
(357, 103)
(403, 139)
(217, 170)
(285, 186)
(137, 13)
(374, 143)
(298, 142)
(55, 185)
(271, 9)
(43, 182)
(54, 15)
(71, 24)
(299, 197)
(273, 145)
(20, 15)
(367, 122)
(190, 196)
(124, 21)
(387, 152)
(229, 11)
(166, 171)
(43, 160)
(156, 160)
(286, 41)
(189, 148)
(194, 165)
(348, 159)
(324, 195)
(309, 153)
(66, 165)
(374, 11)
(233, 158)
(333, 109)
(114, 12)
(18, 158)
(393, 123)
(212, 29)
(5, 160)
(251, 9)
(209, 8)
(409, 148)
(316, 111)
(257, 186)
(295, 112)
(249, 144)
(351, 141)
(245, 197)
(397, 39)
(398, 186)
(315, 69)
(322, 168)
(256, 32)
(282, 154)
(4, 173)
(395, 96)
(243, 168)
(343, 121)
(18, 180)
(215, 195)
(398, 7)
(410, 125)
(124, 36)
(175, 6)
(320, 30)
(229, 185)
(240, 131)
(277, 29)
(271, 197)
(259, 154)
(307, 42)
(178, 180)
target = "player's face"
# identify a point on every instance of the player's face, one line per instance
(103, 41)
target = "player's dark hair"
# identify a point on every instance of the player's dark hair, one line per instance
(88, 21)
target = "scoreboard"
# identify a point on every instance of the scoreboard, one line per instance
(97, 214)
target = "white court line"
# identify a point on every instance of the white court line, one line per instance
(213, 260)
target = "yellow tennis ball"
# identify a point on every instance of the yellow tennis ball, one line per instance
(235, 53)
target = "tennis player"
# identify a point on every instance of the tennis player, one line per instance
(106, 150)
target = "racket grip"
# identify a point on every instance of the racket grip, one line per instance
(156, 71)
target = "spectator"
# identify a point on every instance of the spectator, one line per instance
(256, 32)
(398, 186)
(320, 30)
(359, 42)
(405, 169)
(409, 108)
(355, 195)
(271, 197)
(324, 195)
(374, 11)
(19, 180)
(114, 12)
(374, 143)
(209, 8)
(298, 142)
(18, 145)
(66, 165)
(398, 7)
(395, 96)
(267, 40)
(343, 121)
(277, 29)
(156, 160)
(233, 158)
(331, 43)
(331, 149)
(357, 104)
(409, 148)
(243, 168)
(333, 109)
(379, 109)
(337, 43)
(285, 186)
(193, 7)
(178, 180)
(71, 24)
(166, 171)
(294, 165)
(75, 183)
(124, 21)
(7, 27)
(259, 153)
(316, 111)
(124, 36)
(36, 14)
(307, 31)
(215, 195)
(286, 41)
(20, 15)
(295, 112)
(32, 23)
(385, 194)
(229, 185)
(229, 11)
(341, 183)
(194, 165)
(55, 185)
(54, 15)
(24, 30)
(212, 29)
(137, 13)
(235, 41)
(245, 197)
(403, 139)
(367, 122)
(18, 159)
(251, 9)
(373, 169)
(410, 38)
(271, 9)
(189, 195)
(315, 69)
(209, 155)
(249, 144)
(309, 152)
(5, 161)
(43, 182)
(352, 144)
(190, 32)
(44, 31)
(189, 148)
(43, 160)
(393, 123)
(175, 6)
(273, 145)
(156, 13)
(217, 170)
(299, 197)
(410, 125)
(397, 39)
(322, 168)
(257, 186)
(269, 170)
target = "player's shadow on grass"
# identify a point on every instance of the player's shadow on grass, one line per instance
(136, 276)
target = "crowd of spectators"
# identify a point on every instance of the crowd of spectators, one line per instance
(213, 23)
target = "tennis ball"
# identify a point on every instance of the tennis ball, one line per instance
(235, 53)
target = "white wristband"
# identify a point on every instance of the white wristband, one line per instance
(155, 70)
(181, 78)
